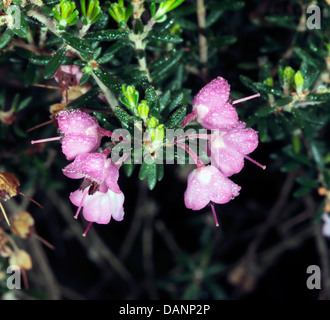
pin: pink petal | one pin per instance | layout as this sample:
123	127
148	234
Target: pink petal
214	94
208	184
222	117
195	196
76	197
73	170
228	161
117	202
75	121
112	176
75	144
97	208
243	140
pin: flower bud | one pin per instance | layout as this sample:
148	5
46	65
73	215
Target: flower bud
143	110
152	123
299	81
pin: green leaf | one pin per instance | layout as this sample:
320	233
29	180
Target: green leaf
304	55
144	169
264	112
84	78
112	83
176	101
160	171
128	169
76	43
152	101
223	41
123	116
267	89
319	97
176	118
165	37
226	5
301	192
282	102
84	100
152	175
55	62
6	37
30	74
106	35
23	104
287	21
307	182
319	212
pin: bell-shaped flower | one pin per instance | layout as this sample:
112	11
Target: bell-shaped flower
100	206
212	108
207	184
80	133
229	147
96	168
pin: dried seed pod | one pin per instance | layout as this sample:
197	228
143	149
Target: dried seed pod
5	251
9	185
21	224
21	259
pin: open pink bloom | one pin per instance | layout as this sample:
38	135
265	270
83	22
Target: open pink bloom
100	206
229	147
326	225
207	184
81	133
212	108
96	168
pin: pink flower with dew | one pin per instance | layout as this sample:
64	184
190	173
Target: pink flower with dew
326	225
211	107
228	148
68	73
96	168
100	206
207	184
80	133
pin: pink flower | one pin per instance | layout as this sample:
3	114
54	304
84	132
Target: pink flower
69	73
229	147
212	108
80	133
207	184
326	225
96	168
100	206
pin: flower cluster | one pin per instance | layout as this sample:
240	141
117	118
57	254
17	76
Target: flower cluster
229	143
99	194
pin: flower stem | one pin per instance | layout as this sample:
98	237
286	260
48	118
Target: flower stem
255	162
193	155
87	229
203	47
214	215
246	98
191	116
45	140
